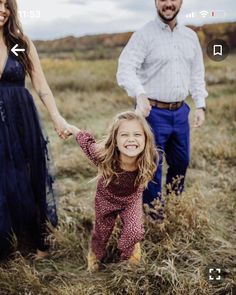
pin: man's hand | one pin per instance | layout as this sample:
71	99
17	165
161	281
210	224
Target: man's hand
199	118
143	105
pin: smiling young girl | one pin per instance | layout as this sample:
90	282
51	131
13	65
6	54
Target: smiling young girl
126	160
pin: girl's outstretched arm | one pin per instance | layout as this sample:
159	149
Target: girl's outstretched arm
86	142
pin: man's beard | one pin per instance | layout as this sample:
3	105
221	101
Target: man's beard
166	20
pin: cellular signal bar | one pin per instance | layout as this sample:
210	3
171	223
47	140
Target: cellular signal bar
190	15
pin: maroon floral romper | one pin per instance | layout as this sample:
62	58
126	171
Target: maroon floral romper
120	197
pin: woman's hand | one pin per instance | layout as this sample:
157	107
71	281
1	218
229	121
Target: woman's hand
61	127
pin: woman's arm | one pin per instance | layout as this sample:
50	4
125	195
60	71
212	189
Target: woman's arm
41	87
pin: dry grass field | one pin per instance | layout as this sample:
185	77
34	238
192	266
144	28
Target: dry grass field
199	231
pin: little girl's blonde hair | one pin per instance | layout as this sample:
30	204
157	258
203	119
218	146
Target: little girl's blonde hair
108	154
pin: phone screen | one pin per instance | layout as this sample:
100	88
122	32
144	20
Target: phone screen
78	46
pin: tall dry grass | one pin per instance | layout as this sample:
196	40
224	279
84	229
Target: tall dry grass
199	229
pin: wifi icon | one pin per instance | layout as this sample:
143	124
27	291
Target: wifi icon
203	13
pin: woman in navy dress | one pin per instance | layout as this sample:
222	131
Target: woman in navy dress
27	201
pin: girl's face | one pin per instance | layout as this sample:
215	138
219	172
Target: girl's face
130	139
4	13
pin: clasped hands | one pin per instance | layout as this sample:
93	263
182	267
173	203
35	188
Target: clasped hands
64	129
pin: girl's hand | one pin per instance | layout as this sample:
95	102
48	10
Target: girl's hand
61	127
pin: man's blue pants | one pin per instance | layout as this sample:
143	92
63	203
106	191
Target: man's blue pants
171	131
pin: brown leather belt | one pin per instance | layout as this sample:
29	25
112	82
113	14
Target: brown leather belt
165	105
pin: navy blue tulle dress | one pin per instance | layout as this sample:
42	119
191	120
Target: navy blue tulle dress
27	198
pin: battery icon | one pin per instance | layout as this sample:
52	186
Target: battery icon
218	13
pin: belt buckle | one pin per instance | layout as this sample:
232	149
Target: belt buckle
170	106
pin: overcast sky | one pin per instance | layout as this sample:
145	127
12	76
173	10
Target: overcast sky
50	19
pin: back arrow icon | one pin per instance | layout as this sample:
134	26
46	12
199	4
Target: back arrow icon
15	49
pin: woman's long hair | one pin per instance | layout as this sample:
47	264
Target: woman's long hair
13	34
108	154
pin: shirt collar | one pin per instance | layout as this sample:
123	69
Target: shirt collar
163	25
